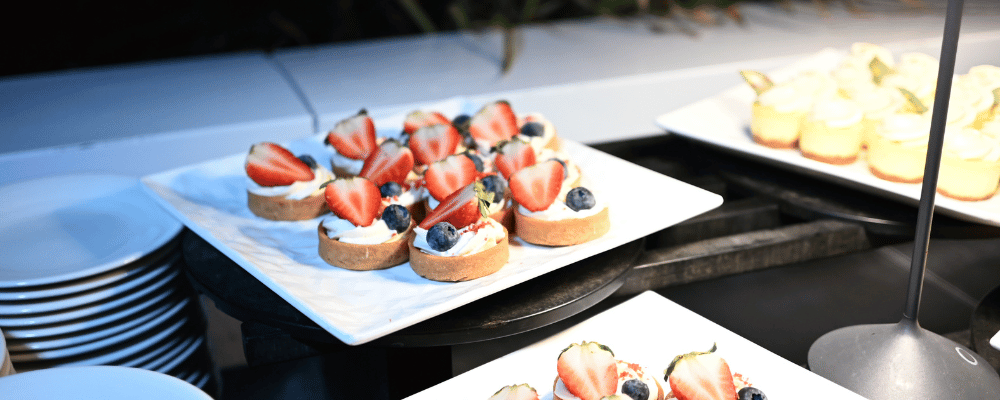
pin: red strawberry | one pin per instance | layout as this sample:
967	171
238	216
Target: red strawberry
269	164
461	209
494	122
701	376
537	186
512	156
390	162
434	142
419	119
354	137
515	392
355	199
588	370
448	175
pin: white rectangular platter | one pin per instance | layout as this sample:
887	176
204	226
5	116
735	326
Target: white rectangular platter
357	307
724	121
648	330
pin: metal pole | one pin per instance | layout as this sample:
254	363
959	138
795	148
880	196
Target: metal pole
949	47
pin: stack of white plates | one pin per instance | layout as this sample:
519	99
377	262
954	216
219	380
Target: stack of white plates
91	274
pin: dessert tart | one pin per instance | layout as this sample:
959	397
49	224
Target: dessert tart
539	132
876	104
589	371
491	124
458	241
706	376
390	167
351	141
777	116
832	131
544	219
360	235
899	148
970	165
281	187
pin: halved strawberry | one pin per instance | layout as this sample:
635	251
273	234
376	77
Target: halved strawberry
537	186
494	122
353	137
390	162
419	119
434	142
269	164
355	199
588	370
448	175
460	209
515	392
512	156
701	376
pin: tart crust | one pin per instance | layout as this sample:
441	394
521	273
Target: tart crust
365	257
564	232
455	269
278	208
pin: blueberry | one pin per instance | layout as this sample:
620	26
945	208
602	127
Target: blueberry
475	160
635	389
750	393
396	217
565	167
533	129
390	189
579	198
462	122
404	139
493	184
309	161
442	236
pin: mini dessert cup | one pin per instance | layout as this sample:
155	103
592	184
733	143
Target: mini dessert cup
365	257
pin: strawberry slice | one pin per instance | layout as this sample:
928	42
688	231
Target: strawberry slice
419	119
353	137
588	370
269	164
494	122
537	186
434	142
390	162
355	199
512	156
515	392
448	175
701	376
460	209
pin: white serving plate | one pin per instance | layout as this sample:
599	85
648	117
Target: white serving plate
357	307
724	121
648	330
97	382
97	222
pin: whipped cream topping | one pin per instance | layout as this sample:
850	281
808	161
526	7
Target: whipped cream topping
854	79
626	372
815	84
908	128
968	144
350	165
408	197
344	231
836	112
538	142
880	102
977	97
296	191
472	239
559	211
785	98
922	88
959	114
